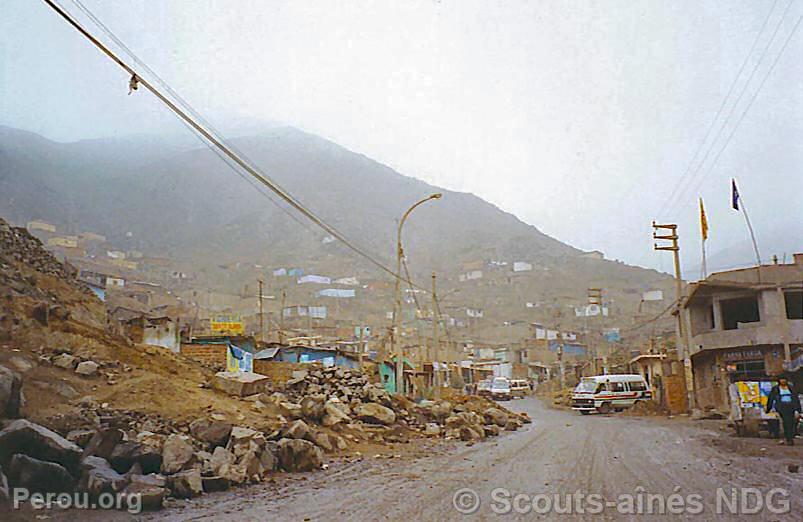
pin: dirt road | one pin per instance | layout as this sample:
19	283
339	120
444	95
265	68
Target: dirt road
561	453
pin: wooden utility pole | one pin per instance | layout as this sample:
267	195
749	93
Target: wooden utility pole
362	337
671	235
595	298
261	320
281	317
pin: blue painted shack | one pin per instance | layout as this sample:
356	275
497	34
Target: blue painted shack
309	354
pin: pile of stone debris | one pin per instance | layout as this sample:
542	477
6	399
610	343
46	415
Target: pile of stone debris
18	245
321	411
118	453
335	396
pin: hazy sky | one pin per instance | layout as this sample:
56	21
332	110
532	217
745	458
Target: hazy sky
578	117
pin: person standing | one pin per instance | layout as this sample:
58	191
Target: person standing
784	400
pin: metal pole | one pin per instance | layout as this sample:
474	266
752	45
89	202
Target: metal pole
436	347
397	299
261	325
281	318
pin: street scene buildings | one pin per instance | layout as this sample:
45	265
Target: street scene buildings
400	260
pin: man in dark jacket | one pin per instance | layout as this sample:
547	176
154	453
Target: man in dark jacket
783	399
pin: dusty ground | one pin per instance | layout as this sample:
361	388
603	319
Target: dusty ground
560	453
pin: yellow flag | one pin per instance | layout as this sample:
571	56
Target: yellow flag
703	221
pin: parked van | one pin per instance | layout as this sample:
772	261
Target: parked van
519	388
605	393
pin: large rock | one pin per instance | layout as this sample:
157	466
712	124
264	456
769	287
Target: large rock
299	455
214	433
97	477
38	475
323	441
27	438
234	473
375	413
103	442
88	369
240	384
268	458
297	430
291	410
65	361
186	484
471	433
177	454
148	490
496	416
334	414
126	454
242	440
252	465
215	483
312	407
10	393
465	418
220	457
441	410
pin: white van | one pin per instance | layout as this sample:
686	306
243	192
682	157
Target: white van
519	388
604	393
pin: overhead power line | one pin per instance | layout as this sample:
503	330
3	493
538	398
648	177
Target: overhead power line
735	105
218	142
677	191
749	105
187	107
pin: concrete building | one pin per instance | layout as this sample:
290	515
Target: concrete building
743	325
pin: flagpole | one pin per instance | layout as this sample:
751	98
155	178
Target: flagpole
703	268
743	208
703	237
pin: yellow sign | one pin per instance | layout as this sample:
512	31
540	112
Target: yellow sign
227	325
750	393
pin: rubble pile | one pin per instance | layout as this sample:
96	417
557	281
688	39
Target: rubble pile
18	245
335	397
107	450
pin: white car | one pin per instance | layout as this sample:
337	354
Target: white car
500	389
604	393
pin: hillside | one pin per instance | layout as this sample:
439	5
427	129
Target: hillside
170	201
205	202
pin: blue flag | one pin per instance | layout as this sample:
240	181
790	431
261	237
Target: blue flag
734	195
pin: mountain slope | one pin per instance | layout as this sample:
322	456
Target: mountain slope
187	204
201	199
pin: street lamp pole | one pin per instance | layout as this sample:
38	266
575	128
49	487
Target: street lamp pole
397	301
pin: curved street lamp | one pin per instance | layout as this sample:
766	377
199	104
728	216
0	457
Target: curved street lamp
397	301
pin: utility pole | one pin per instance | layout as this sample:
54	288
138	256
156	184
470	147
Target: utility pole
281	317
436	347
362	347
261	323
595	298
671	235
